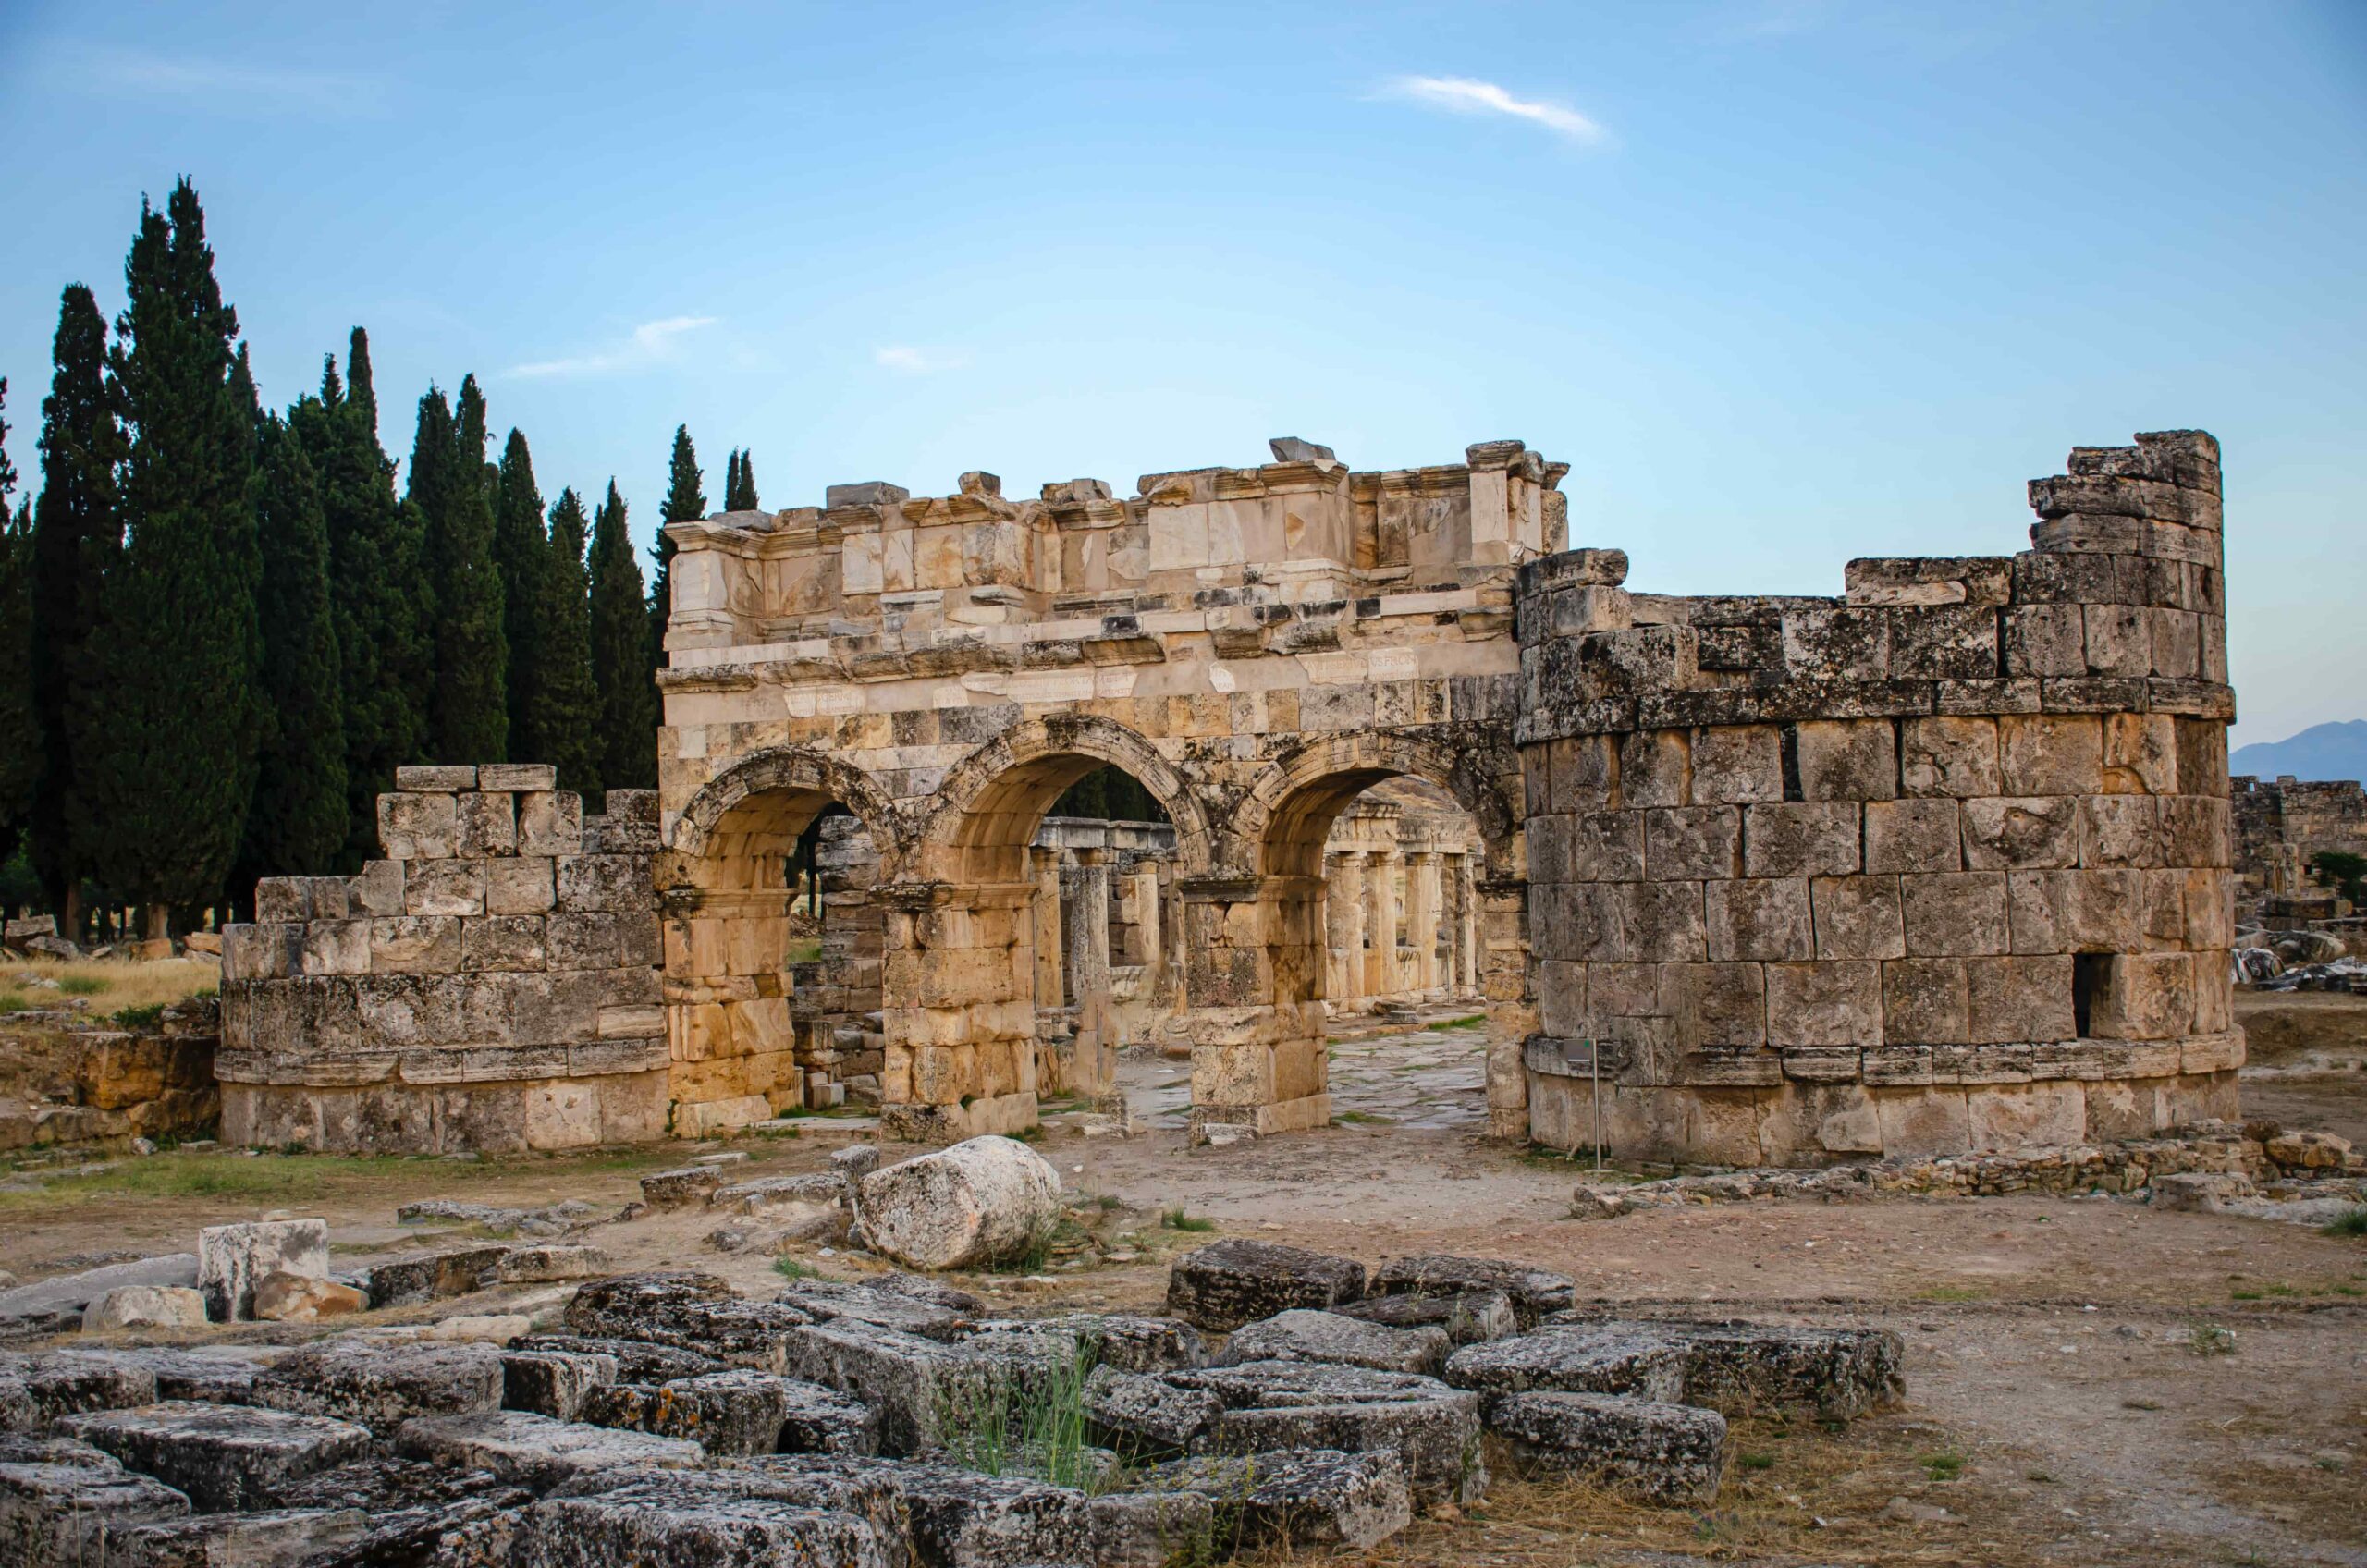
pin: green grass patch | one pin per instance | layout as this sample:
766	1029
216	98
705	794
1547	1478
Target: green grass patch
1025	1421
1363	1119
1945	1464
1952	1292
2349	1223
1176	1219
84	985
1757	1462
797	1268
15	1002
1476	1021
282	1178
147	1017
2210	1338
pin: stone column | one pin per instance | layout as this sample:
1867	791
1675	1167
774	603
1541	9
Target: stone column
1422	918
1343	898
1093	1070
1467	937
1380	922
958	1008
1147	913
1046	914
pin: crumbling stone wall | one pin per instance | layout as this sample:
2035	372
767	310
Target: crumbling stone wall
491	984
2280	825
66	1080
1941	865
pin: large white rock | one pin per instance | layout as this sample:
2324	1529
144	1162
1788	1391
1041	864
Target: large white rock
985	1200
233	1259
146	1306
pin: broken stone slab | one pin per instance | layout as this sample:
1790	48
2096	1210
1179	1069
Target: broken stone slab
1128	1343
1151	1529
224	1457
740	1412
146	1306
695	1311
71	1294
1272	1405
406	1282
824	1300
1739	1368
552	1383
1534	1292
413	1508
1145	1417
1291	449
36	1390
64	1515
232	1259
2198	1192
686	1188
536	1451
1469	1317
24	1448
145	1374
637	1361
1292	1500
281	1297
279	1538
546	1264
620	1306
1597	1360
1235	1281
774	1198
687	1519
920	1287
911	1382
1302	1335
383	1386
855	1162
1664	1455
951	1516
983	1201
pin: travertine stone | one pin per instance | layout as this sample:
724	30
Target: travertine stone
489	825
520	885
1912	836
1813	838
1849	760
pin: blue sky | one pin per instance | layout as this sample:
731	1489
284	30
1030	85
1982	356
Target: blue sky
1786	281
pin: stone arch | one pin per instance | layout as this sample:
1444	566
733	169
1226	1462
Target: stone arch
1293	801
990	800
797	770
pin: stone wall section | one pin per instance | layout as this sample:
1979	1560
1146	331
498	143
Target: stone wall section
2280	825
1942	865
490	985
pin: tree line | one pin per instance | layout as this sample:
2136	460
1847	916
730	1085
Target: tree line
222	629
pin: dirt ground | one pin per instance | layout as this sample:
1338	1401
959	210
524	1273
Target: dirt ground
2090	1381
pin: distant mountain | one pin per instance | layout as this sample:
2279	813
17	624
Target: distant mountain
2322	750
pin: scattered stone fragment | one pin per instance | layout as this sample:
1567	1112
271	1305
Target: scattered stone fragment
982	1202
552	1383
740	1412
382	1387
543	1265
690	1519
535	1451
824	1300
282	1297
283	1537
813	1208
855	1162
1293	1500
1235	1281
920	1287
62	1299
1135	1529
406	1282
1145	1417
492	1327
1598	1360
1119	1340
146	1306
1273	1405
232	1259
637	1360
1301	1335
1533	1291
1469	1317
2198	1192
685	1188
951	1517
63	1515
1740	1367
2301	1150
224	1457
1665	1455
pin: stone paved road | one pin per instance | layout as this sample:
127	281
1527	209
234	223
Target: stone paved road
1433	1077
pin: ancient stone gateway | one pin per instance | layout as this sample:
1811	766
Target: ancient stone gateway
1939	863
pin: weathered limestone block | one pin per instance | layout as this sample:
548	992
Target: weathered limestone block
979	1202
232	1259
740	1412
553	1383
550	824
1605	1360
687	1519
542	1265
1913	836
1759	920
911	1382
1301	1335
948	1514
603	882
1145	1417
1858	917
1295	1500
684	1188
1824	1004
1119	1340
516	777
416	945
1663	1455
1283	1404
825	1300
431	777
509	943
521	884
1469	1316
282	1297
1802	838
278	1537
1847	760
489	825
382	1387
1533	1291
445	887
2014	833
1955	914
66	1516
637	1361
1738	765
223	1457
535	1451
417	827
455	1271
2013	999
1232	1282
146	1306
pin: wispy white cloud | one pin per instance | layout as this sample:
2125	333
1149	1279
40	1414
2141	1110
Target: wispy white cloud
232	88
1468	95
650	343
907	360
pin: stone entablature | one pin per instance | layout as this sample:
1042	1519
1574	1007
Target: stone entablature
491	984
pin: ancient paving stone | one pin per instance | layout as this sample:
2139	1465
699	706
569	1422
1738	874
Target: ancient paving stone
1533	1291
1471	1317
689	1519
64	1515
1285	1405
825	1300
1663	1455
383	1386
691	1185
535	1451
281	1538
638	1360
231	1259
1145	1416
552	1383
224	1458
1236	1282
1126	1342
1576	1359
1302	1335
740	1412
1739	1368
1292	1500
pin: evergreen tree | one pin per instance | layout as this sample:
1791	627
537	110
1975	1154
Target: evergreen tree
467	711
19	726
566	718
740	495
523	556
167	795
77	536
731	477
298	822
376	588
627	738
685	502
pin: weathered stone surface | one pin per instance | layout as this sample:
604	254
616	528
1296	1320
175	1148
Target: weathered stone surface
282	1297
1134	1529
552	1383
1664	1455
693	1311
1128	1343
232	1259
691	1185
36	1390
623	1305
279	1538
146	1306
949	1515
382	1387
909	1381
981	1202
740	1412
1598	1359
638	1360
414	1507
1302	1335
536	1451
68	1296
1293	1499
688	1520
1235	1281
1739	1367
1533	1291
1286	1404
224	1458
543	1265
1472	1317
64	1515
824	1300
1144	1417
431	1276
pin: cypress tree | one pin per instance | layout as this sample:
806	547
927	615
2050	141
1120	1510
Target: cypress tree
19	726
740	487
468	709
685	502
376	590
298	822
522	555
567	704
77	536
731	477
166	800
627	737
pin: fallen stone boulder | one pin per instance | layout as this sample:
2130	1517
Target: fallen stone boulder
49	1306
1119	1340
1234	1281
693	1311
982	1202
2198	1192
740	1412
1534	1292
2301	1150
535	1451
407	1281
232	1259
815	1207
1468	1317
949	1515
383	1386
637	1361
920	1287
64	1515
1664	1455
552	1383
1145	1417
224	1457
281	1297
1291	1499
1741	1367
546	1265
911	1382
413	1506
279	1538
688	1519
146	1306
1275	1405
686	1188
1596	1360
1301	1335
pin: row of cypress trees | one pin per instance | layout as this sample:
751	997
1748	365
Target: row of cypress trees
222	629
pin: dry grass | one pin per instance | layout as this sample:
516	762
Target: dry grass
277	1180
108	985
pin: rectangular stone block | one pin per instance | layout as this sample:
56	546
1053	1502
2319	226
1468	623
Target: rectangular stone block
489	825
1824	1004
508	942
1692	842
1727	1003
590	883
1951	757
336	947
2124	830
581	941
550	824
1840	645
2027	1116
444	887
1912	836
1665	921
1925	999
2074	911
415	827
233	1259
2017	999
2141	753
261	952
1605	846
1847	759
2146	996
425	776
1626	990
1802	838
2051	753
1944	643
1583	773
1655	769
2119	639
377	892
516	777
416	945
2020	832
520	884
2196	831
1737	764
2046	640
1856	917
1759	920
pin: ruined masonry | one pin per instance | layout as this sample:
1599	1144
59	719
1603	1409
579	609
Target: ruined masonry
1940	865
